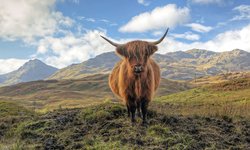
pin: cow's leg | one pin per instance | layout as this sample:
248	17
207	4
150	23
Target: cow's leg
138	106
132	108
128	110
144	108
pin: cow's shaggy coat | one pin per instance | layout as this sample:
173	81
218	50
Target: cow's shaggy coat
136	77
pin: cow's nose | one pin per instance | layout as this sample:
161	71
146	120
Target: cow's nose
138	69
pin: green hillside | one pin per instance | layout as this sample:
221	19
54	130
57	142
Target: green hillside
230	98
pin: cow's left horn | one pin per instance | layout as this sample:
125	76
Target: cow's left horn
159	41
111	42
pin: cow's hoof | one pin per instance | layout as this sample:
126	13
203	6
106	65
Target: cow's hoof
133	122
139	115
144	123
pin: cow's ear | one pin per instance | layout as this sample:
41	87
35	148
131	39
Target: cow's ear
152	49
121	51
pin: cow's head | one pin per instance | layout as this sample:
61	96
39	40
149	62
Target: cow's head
136	53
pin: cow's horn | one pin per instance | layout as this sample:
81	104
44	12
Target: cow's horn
159	41
111	42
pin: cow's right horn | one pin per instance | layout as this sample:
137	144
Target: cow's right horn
111	42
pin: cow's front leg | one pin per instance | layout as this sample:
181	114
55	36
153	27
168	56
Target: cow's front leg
144	108
132	108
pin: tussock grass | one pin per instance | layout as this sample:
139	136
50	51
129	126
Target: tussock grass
106	126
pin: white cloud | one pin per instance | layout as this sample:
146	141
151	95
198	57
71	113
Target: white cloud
143	2
28	19
188	36
8	65
160	17
244	11
104	20
80	17
199	27
157	33
90	19
222	42
61	52
207	1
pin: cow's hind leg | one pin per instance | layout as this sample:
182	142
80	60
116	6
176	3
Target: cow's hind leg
144	108
138	106
128	109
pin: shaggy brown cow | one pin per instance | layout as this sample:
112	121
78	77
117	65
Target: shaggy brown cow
136	77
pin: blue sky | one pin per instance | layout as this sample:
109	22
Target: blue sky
62	32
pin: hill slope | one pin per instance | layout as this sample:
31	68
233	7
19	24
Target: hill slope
51	94
231	98
220	78
30	71
181	65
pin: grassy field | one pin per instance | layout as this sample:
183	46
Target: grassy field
230	98
106	126
209	116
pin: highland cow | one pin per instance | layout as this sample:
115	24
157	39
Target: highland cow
136	77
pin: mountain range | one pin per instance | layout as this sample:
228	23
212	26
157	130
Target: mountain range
180	65
30	71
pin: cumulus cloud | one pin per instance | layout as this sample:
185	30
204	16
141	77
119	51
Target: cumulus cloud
157	33
225	41
61	52
187	35
28	19
143	2
160	17
244	11
8	65
199	27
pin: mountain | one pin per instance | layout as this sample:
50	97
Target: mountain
101	64
180	65
30	71
200	53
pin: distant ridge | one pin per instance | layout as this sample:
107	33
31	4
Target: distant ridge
180	65
30	71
